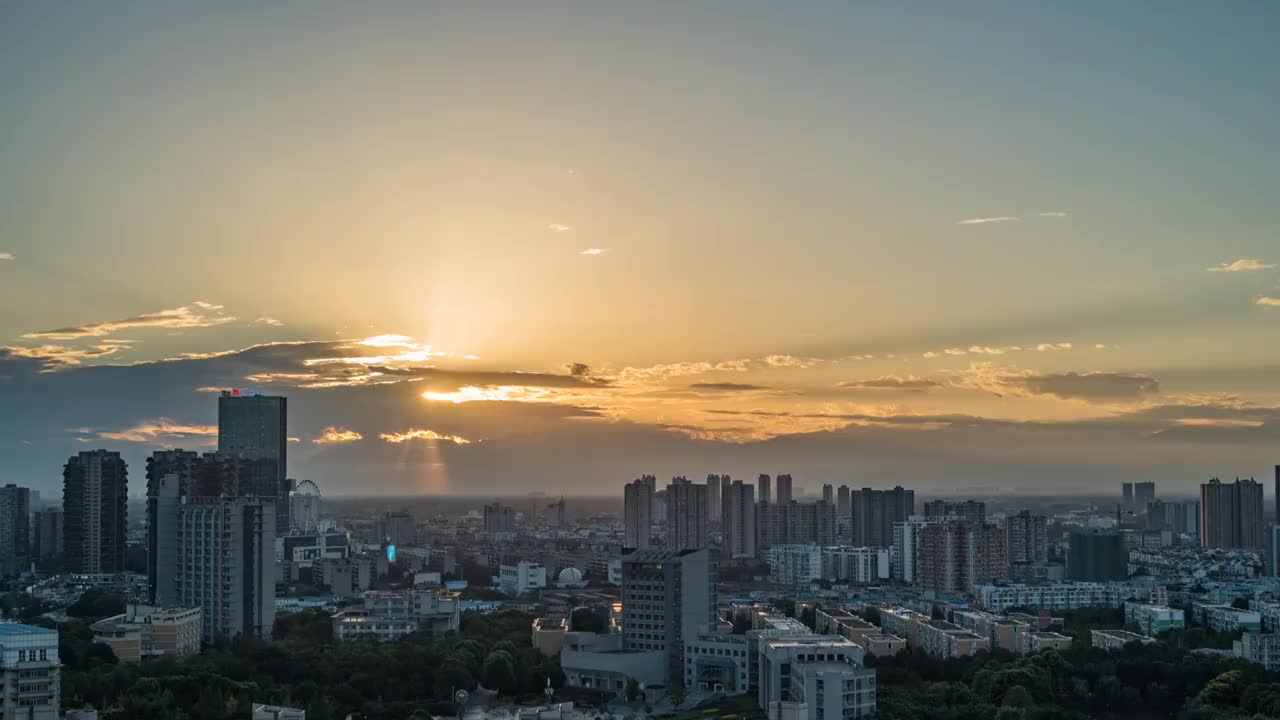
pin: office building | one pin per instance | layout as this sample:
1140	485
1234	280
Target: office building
1144	493
1097	557
217	554
1028	538
95	489
499	518
784	489
15	530
715	483
738	521
637	507
834	690
384	615
255	427
842	501
955	556
686	515
46	539
1126	494
30	684
829	493
300	556
764	487
143	632
967	510
874	512
668	597
804	675
1231	515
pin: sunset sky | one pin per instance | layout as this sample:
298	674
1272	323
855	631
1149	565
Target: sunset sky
509	247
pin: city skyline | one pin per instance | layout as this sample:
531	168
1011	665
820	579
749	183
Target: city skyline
1004	249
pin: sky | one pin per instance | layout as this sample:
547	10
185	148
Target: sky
503	247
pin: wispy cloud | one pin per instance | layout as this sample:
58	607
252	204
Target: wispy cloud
264	320
892	382
1093	387
54	357
594	251
1268	301
557	227
196	315
6	256
431	435
334	434
162	430
1242	265
1054	213
791	361
985	220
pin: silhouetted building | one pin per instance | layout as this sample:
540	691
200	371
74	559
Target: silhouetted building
1181	517
1143	494
714	484
828	493
686	515
764	488
255	426
396	528
967	510
637	508
875	511
46	538
1097	557
956	556
1126	491
15	530
499	518
1231	515
738	520
95	488
784	489
795	524
842	501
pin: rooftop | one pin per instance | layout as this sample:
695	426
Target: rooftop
18	630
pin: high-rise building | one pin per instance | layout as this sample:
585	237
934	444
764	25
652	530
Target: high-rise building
15	530
967	510
667	597
397	528
499	518
686	515
637	509
1276	490
764	486
875	511
906	544
842	501
1097	557
828	493
795	523
255	426
714	484
1143	494
46	539
1126	491
1028	538
95	488
1182	517
1231	515
784	489
30	682
738	520
217	554
955	556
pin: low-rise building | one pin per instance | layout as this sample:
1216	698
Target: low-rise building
1260	648
600	662
143	631
1269	611
1153	619
882	645
718	663
838	621
1062	596
390	615
834	690
942	639
855	565
902	622
1115	639
29	672
1036	641
548	634
1221	617
780	673
277	712
522	577
360	625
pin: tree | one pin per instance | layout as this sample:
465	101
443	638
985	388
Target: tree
678	692
95	604
633	690
499	672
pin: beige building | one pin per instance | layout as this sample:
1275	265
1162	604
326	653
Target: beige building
882	645
942	639
143	631
1034	642
548	634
